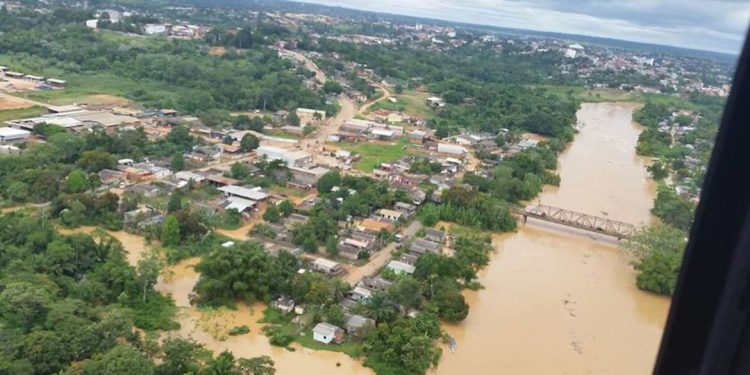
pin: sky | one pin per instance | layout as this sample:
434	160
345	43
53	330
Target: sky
712	25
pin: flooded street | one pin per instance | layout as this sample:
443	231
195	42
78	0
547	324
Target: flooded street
558	301
210	328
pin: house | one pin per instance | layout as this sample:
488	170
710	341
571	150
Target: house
358	325
417	136
450	149
409	258
284	304
434	235
307	177
190	176
327	267
376	283
348	251
57	83
291	158
239	204
406	209
327	333
401	267
253	194
383	134
153	29
12	135
421	246
389	214
360	293
140	219
111	177
146	190
374	226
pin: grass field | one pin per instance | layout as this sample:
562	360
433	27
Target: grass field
412	103
376	153
12	114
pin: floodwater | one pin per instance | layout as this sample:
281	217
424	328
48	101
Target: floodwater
134	245
561	301
210	328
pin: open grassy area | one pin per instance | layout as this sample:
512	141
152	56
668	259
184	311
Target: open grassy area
82	86
12	114
376	153
412	103
280	134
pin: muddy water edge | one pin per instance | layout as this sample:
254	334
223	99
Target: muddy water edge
560	301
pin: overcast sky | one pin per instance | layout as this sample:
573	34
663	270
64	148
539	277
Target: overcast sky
714	25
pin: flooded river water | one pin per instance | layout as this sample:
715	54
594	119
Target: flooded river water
559	301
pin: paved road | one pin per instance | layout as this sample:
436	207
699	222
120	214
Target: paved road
379	259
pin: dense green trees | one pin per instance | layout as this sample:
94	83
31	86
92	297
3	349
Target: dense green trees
72	299
470	208
673	209
242	272
659	250
173	74
405	346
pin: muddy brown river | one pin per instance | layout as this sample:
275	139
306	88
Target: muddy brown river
560	301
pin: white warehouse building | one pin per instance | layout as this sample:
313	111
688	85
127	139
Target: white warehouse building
292	158
13	135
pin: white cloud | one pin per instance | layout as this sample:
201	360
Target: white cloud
716	25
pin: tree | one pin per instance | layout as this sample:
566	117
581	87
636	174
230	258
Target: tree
77	182
249	142
95	160
18	191
175	202
240	171
332	87
227	140
46	352
148	270
24	305
262	365
293	119
182	357
406	292
170	231
286	208
121	360
242	272
332	246
658	171
659	250
181	138
272	215
328	181
178	162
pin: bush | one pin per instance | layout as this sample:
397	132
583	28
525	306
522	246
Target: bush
281	339
239	330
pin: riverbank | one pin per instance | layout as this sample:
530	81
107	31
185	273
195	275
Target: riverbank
561	301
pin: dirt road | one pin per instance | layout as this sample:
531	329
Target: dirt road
378	260
386	94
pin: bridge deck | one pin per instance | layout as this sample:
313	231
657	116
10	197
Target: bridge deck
578	220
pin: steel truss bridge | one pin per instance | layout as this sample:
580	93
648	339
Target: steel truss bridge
578	220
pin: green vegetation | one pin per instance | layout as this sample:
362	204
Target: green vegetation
375	153
12	114
412	103
659	249
239	330
158	73
243	272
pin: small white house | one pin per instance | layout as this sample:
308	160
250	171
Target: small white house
327	333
